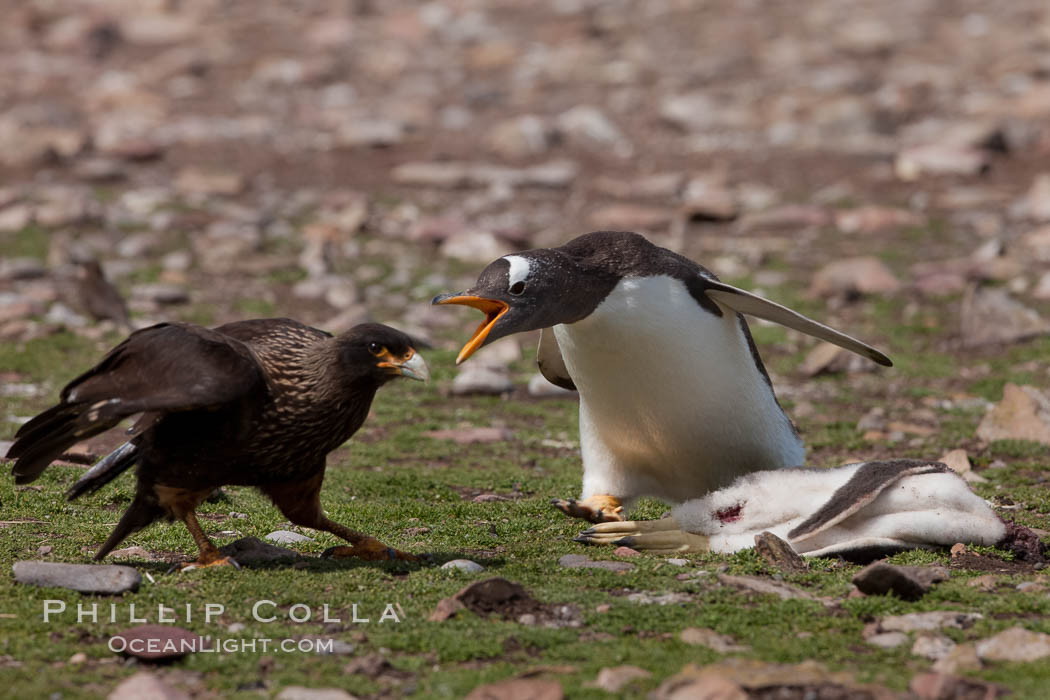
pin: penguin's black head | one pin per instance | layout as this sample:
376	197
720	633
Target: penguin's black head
524	292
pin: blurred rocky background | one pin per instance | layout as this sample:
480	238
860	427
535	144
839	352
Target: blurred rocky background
211	160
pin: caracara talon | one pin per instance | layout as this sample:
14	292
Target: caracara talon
203	564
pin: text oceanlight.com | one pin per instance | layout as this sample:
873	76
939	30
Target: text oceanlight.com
261	611
259	645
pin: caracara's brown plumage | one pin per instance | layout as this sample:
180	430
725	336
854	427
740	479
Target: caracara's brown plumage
257	403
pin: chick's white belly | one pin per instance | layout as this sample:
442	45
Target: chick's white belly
671	402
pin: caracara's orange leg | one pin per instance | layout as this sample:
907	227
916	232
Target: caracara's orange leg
600	508
182	503
301	503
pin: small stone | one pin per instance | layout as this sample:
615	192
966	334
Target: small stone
626	552
135	552
853	277
1037	201
940	159
778	553
464	565
1023	414
252	550
161	293
518	689
990	315
986	583
370	133
874	419
582	561
959	462
927	621
298	692
15	218
707	199
932	646
21	269
156	642
940	686
335	647
478	379
145	685
961	657
887	640
876	219
471	436
521	137
446	608
78	658
474	246
109	579
672	598
755	584
631	217
789	216
287	537
612	680
1014	644
701	636
907	582
209	182
444	175
677	562
587	126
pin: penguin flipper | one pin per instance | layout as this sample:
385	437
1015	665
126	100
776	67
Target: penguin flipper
551	363
753	305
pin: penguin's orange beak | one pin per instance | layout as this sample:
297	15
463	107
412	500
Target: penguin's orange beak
493	310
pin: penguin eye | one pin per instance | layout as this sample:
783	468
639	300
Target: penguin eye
376	349
517	288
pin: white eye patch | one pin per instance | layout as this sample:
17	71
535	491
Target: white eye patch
519	269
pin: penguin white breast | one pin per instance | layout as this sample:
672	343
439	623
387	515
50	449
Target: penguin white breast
671	390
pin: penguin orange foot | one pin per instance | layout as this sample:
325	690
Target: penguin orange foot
600	508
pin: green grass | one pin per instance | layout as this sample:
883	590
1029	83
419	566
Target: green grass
393	479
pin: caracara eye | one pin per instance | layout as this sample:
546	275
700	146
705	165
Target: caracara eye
376	349
517	288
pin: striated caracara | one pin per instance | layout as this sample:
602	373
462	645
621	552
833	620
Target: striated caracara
255	403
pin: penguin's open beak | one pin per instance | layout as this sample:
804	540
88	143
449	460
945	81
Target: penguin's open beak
493	310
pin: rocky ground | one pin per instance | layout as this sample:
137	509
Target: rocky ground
883	167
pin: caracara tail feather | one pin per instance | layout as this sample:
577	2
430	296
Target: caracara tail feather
140	514
106	470
43	439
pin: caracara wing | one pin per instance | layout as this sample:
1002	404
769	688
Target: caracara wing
165	368
169	367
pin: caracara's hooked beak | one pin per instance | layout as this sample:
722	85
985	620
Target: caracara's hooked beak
493	310
410	365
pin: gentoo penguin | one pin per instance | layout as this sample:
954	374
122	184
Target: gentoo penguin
674	399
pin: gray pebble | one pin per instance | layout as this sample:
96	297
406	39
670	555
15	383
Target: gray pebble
86	578
465	565
287	537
